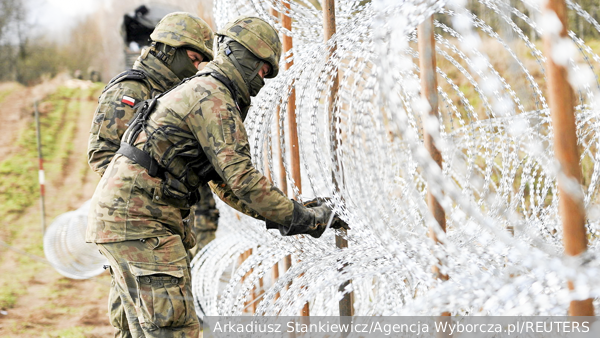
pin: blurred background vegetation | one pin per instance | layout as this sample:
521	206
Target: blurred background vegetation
28	58
31	51
28	55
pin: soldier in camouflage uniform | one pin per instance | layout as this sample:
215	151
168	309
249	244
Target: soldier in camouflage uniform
181	41
161	66
190	135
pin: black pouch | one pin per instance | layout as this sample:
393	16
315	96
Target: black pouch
178	193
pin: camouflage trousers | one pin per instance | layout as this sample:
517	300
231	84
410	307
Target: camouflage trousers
151	295
206	219
205	228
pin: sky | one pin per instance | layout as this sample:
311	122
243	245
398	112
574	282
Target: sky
57	16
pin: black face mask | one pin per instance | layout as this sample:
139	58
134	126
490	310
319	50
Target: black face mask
176	59
181	65
247	64
255	85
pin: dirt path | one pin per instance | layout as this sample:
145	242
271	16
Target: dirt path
13	115
48	304
16	109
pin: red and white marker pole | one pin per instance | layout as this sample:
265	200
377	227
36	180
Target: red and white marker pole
41	176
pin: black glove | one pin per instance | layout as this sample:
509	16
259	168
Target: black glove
337	222
311	219
318	201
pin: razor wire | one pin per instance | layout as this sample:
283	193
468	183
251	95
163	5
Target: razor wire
503	248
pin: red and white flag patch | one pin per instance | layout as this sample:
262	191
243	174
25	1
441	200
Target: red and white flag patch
130	101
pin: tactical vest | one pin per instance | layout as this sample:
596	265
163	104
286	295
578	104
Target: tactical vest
130	74
180	189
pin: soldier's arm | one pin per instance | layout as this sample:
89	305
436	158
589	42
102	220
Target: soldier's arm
218	126
226	195
115	109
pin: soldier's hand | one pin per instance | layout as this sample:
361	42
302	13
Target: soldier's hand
318	203
315	202
312	219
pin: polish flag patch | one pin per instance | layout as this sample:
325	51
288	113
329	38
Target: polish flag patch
130	101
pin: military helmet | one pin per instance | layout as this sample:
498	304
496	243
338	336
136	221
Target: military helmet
181	29
258	37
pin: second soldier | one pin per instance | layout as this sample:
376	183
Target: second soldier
180	42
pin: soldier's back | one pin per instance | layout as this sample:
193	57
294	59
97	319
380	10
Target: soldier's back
115	110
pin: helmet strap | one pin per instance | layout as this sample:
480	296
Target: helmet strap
258	68
236	64
239	67
167	57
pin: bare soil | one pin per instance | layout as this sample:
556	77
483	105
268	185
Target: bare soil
50	305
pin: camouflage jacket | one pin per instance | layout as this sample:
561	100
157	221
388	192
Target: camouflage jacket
196	120
115	108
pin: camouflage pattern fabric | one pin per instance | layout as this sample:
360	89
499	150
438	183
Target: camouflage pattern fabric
180	29
224	192
128	204
116	311
152	281
197	118
206	220
112	114
258	37
110	122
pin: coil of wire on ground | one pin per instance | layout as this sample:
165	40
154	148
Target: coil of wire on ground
65	247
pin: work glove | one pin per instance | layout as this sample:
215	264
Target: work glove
310	219
337	222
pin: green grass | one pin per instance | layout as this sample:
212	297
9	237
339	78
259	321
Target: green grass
7	89
72	332
13	284
19	187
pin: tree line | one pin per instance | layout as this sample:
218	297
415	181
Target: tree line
26	59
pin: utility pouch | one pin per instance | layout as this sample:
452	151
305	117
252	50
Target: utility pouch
177	193
163	300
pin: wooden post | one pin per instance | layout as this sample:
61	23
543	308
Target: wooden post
41	175
561	101
274	13
275	277
345	305
250	305
286	22
427	64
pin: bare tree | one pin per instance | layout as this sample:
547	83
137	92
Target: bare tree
11	11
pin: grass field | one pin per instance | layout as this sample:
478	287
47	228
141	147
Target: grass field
39	302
